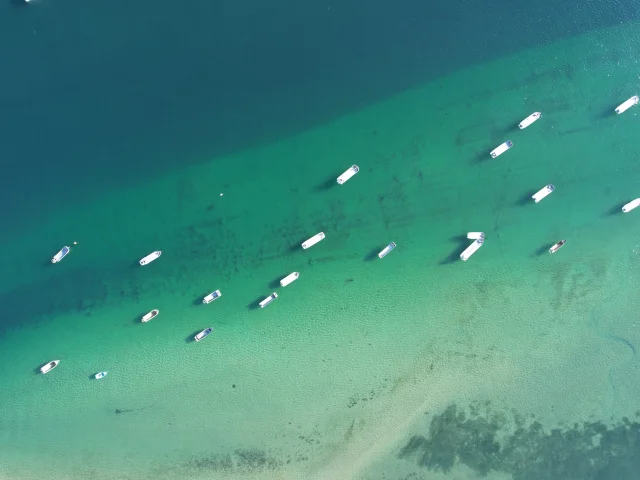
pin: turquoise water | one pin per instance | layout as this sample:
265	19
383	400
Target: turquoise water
515	364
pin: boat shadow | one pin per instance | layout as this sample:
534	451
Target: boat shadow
373	254
454	256
256	303
526	198
615	210
480	157
328	184
275	283
542	250
36	371
191	338
297	246
608	113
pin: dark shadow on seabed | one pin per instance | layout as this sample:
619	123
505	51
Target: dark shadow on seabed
526	198
463	243
256	303
542	250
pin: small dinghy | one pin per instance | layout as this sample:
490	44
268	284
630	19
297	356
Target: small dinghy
543	192
64	251
268	300
529	120
49	366
289	279
386	250
313	240
623	107
499	150
631	205
557	246
203	334
100	375
150	316
151	257
348	174
475	235
212	296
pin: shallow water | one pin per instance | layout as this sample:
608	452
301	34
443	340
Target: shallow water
361	367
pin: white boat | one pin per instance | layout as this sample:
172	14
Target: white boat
151	257
212	296
631	205
348	174
500	149
268	300
203	334
313	240
475	235
557	246
387	249
150	316
100	375
543	192
292	277
49	366
64	251
471	249
529	120
623	107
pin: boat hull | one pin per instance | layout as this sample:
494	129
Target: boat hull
471	249
49	366
289	279
529	120
385	251
100	375
500	149
150	316
557	246
313	240
151	257
631	205
268	300
475	235
623	107
350	172
64	251
212	296
203	334
543	192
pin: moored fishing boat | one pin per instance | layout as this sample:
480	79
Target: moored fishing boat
471	249
631	205
529	120
150	316
313	240
100	375
557	246
500	149
350	172
268	300
475	235
292	277
543	192
49	366
151	257
386	250
64	251
623	107
212	296
203	334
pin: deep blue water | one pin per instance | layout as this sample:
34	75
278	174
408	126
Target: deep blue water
96	95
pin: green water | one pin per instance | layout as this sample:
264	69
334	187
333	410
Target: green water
332	379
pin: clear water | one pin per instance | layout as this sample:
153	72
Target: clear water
516	364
